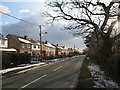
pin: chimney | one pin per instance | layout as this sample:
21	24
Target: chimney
26	37
46	42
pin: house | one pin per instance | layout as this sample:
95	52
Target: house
58	50
65	50
21	44
49	49
43	47
3	42
35	48
70	50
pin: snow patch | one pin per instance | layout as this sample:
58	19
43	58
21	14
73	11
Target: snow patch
49	45
23	40
100	80
18	68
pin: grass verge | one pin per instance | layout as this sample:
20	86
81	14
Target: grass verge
85	80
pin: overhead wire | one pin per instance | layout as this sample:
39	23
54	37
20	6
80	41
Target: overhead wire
18	18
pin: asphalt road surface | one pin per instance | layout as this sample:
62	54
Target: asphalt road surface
61	74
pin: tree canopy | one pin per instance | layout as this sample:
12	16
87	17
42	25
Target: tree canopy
85	15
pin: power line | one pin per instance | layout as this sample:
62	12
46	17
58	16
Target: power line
18	26
17	18
14	24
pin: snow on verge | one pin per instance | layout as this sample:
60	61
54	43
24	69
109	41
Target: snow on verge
18	68
99	78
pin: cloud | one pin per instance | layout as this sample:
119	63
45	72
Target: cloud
24	11
55	34
4	9
6	23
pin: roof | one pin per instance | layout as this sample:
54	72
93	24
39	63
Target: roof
23	40
60	47
32	41
2	37
49	45
9	50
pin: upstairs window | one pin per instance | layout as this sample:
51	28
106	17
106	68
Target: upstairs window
28	45
34	46
2	42
23	45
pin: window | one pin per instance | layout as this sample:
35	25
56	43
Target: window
2	42
34	46
28	45
23	45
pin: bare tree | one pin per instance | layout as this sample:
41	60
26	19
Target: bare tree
87	16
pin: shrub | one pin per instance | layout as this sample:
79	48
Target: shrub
21	58
13	59
7	60
49	57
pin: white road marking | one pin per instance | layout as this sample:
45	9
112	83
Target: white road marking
57	68
32	82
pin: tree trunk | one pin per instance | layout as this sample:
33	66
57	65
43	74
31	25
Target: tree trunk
106	49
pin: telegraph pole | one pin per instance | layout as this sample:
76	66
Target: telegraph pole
40	42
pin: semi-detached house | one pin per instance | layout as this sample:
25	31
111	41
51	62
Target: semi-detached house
49	49
22	44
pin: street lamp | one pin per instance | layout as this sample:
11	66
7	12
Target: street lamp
41	41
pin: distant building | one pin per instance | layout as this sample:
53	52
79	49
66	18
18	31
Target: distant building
58	50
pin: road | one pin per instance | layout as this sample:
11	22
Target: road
61	74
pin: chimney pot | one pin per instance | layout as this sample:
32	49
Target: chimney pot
26	37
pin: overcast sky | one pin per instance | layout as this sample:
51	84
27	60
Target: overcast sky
32	12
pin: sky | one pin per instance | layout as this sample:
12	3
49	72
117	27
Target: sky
33	12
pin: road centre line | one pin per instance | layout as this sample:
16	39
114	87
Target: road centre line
57	68
32	82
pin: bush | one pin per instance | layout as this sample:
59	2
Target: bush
21	58
49	57
7	60
13	59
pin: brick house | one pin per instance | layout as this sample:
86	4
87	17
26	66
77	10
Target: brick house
21	44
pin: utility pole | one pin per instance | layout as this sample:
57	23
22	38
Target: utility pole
40	42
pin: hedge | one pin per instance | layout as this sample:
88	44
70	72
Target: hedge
7	60
14	59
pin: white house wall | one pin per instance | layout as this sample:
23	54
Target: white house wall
36	47
5	45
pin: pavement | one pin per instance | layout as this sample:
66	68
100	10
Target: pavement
61	74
